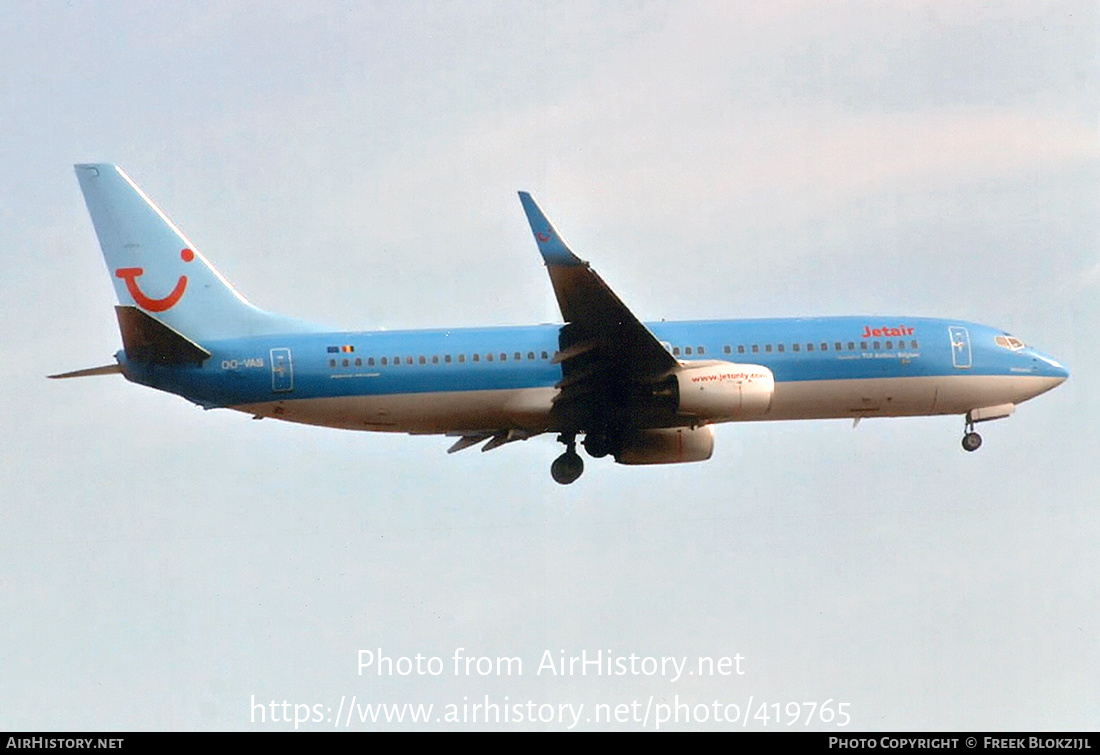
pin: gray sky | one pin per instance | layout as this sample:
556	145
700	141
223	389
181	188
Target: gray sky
357	163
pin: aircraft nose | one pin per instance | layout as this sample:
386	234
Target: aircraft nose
1051	368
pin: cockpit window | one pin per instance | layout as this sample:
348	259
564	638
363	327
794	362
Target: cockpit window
1009	342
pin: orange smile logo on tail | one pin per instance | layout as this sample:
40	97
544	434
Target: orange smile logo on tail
130	275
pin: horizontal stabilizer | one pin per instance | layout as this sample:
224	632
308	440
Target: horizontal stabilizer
107	369
148	340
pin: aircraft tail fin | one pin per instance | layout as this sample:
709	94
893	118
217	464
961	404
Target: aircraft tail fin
156	270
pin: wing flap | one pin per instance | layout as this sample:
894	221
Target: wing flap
496	439
575	350
468	440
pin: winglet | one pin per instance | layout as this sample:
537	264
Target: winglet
551	247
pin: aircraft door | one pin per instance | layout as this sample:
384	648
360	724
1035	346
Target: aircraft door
282	371
960	347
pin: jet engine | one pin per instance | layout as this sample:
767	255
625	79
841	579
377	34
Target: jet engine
674	445
719	391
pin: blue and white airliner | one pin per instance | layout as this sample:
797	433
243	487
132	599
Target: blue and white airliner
643	393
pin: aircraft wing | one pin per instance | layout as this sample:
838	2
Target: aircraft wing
604	349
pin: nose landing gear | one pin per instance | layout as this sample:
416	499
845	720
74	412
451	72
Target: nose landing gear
971	440
569	466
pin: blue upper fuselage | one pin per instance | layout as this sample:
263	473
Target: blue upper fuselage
316	365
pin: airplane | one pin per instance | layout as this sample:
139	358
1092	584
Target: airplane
642	393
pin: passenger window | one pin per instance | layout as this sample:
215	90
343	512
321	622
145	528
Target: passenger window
687	351
545	355
503	357
370	361
838	346
408	360
863	345
740	349
517	356
384	363
851	345
676	351
809	347
700	350
889	344
768	348
488	357
780	348
796	347
358	361
462	359
422	360
913	345
476	357
824	347
332	363
876	345
446	359
755	349
727	349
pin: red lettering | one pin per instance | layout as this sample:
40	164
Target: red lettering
901	330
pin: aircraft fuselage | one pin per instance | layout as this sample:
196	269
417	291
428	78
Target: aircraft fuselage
471	379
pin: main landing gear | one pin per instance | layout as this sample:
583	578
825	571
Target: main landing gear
569	466
971	440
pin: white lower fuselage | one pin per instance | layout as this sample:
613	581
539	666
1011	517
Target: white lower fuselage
529	408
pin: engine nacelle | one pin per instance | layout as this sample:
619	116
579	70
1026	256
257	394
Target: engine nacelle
719	391
674	445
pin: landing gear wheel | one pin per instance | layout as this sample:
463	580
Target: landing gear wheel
597	445
567	467
972	441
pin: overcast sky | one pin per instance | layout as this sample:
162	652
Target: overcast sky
357	163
